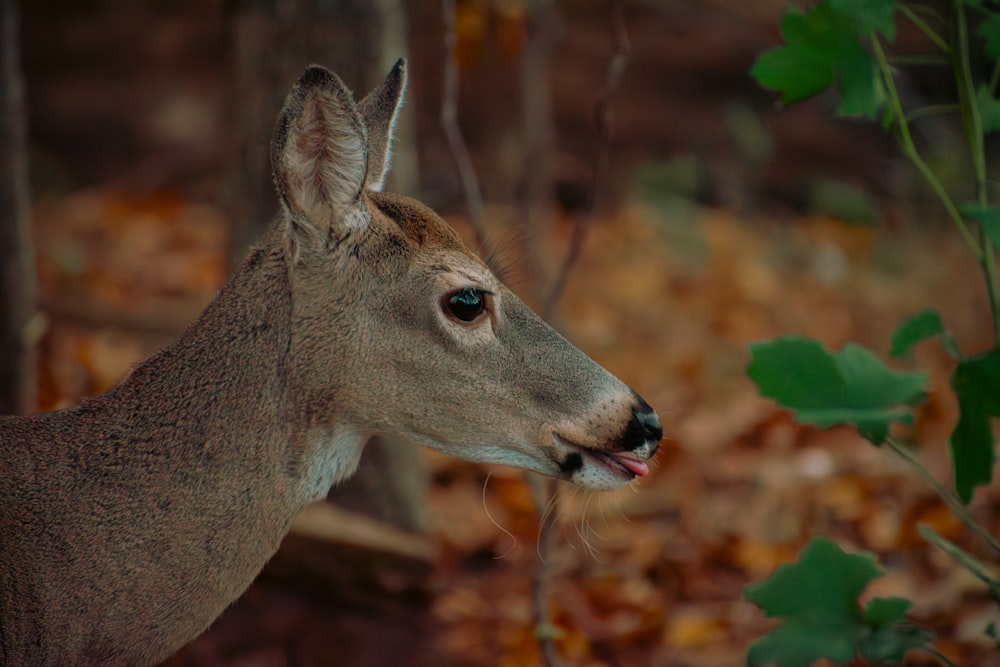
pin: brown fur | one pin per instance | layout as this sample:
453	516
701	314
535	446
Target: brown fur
128	523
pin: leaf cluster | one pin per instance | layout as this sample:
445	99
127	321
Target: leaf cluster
854	387
841	45
823	48
828	45
817	597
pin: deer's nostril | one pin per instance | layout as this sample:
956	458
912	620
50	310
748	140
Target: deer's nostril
643	427
651	424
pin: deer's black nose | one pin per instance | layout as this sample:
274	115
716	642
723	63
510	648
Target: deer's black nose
643	428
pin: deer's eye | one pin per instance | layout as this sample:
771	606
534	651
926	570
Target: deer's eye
466	304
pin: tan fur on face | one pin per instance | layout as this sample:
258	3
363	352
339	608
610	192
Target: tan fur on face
419	222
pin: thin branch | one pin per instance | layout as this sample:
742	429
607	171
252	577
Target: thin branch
449	123
939	656
975	139
963	558
930	60
542	492
924	27
909	149
950	499
602	150
532	210
967	92
542	488
931	110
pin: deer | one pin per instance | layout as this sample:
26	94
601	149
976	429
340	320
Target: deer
130	522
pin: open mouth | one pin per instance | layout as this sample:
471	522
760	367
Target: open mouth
630	466
619	463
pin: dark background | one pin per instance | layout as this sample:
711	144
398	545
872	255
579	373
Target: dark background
721	219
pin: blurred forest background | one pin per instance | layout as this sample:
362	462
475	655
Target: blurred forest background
708	217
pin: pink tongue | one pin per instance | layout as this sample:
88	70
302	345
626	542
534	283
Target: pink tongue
638	467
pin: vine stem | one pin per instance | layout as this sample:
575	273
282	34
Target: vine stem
923	27
962	557
950	499
453	134
966	91
939	656
909	149
975	138
930	110
919	60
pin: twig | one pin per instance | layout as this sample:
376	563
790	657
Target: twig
963	558
939	656
924	27
602	151
542	489
975	138
449	123
533	201
956	505
909	148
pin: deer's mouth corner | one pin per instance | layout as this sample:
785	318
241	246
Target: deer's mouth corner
622	467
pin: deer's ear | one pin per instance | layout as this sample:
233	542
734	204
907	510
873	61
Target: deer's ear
318	159
379	110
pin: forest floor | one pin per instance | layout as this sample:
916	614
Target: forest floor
653	575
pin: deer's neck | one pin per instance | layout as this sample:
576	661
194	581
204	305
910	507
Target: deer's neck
224	399
216	398
184	479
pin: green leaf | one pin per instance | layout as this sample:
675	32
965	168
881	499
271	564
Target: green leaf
821	47
987	217
925	324
850	387
798	644
861	89
989	109
989	32
871	15
824	583
976	382
892	635
889	645
818	598
883	611
801	68
795	73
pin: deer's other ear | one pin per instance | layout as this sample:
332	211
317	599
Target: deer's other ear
379	110
318	159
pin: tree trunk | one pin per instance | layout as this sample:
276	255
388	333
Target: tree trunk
272	43
17	257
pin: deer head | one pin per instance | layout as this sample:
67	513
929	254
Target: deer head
398	328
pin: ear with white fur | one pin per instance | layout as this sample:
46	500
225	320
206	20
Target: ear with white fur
379	111
319	161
